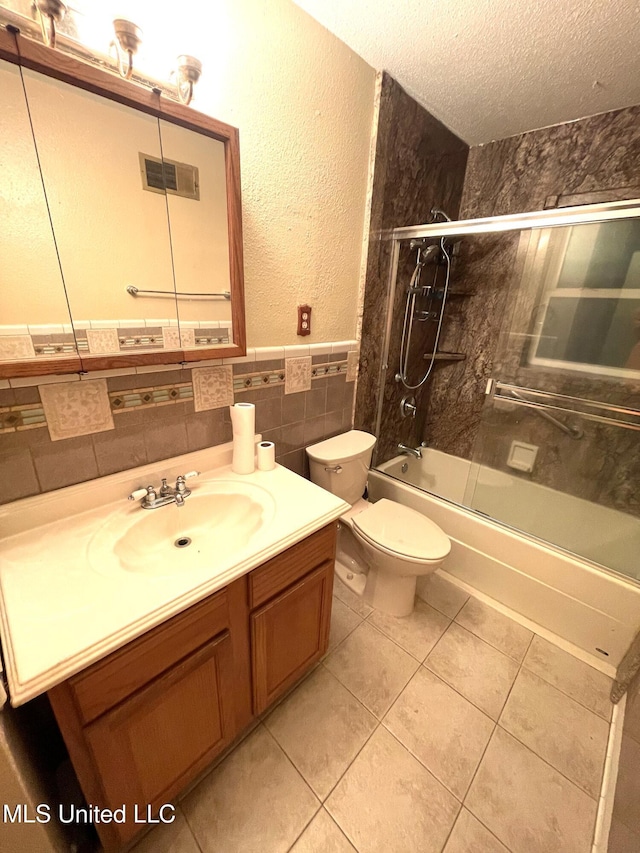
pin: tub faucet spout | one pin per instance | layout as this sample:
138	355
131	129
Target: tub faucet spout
416	452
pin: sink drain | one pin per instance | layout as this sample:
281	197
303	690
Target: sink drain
182	542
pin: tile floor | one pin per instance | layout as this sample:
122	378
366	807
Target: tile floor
455	730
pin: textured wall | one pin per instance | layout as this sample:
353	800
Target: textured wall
303	102
419	164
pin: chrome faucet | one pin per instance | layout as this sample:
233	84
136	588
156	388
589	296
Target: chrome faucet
416	452
152	498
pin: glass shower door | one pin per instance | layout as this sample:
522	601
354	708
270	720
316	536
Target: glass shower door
557	453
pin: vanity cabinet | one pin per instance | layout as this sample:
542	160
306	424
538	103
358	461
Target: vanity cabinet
147	719
291	615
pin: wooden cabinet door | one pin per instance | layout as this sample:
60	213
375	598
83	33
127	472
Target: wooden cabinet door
289	634
150	746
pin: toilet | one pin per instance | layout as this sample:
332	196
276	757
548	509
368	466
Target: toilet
384	547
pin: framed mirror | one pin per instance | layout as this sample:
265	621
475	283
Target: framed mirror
143	199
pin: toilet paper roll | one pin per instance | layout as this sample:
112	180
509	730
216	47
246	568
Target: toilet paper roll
266	456
243	418
243	421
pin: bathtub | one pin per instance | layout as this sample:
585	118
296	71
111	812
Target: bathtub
580	602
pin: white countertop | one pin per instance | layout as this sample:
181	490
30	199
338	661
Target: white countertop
58	614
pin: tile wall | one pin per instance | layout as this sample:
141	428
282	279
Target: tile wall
59	430
419	164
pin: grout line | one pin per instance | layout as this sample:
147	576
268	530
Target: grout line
570	648
192	833
307	824
564	692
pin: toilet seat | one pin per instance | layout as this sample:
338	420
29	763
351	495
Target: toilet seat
400	531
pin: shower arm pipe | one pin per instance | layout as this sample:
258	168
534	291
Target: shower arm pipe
573	432
582	214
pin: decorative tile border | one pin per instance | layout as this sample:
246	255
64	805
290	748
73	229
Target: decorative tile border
101	338
149	398
251	381
343	355
18	418
333	368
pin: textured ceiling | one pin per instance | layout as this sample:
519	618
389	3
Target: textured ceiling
493	68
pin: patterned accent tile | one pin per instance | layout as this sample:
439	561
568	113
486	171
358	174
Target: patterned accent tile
297	375
353	359
170	337
212	387
76	408
188	339
102	341
14	347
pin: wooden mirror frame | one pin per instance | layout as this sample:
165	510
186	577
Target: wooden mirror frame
37	57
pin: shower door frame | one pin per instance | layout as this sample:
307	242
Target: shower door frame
554	218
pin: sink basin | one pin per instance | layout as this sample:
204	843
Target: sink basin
219	519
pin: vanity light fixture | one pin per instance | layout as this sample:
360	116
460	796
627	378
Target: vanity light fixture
188	74
50	12
128	36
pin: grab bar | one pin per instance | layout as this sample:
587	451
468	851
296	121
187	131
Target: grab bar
134	291
572	431
566	398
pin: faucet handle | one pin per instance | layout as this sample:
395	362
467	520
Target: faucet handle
138	494
180	484
149	493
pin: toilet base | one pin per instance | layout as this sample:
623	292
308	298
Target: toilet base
390	593
355	581
387	593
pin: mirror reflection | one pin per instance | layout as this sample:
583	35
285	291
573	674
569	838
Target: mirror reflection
34	315
123	223
108	231
196	200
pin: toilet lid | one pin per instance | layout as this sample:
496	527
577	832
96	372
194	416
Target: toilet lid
401	530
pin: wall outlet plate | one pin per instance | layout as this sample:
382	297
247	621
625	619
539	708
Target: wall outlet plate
304	320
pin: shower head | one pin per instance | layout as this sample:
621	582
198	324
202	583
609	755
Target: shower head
431	254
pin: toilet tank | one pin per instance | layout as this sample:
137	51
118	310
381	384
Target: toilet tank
341	464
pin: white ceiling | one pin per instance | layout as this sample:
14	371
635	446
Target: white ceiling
493	68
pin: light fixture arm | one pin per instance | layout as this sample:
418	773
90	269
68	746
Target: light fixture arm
128	38
50	12
188	74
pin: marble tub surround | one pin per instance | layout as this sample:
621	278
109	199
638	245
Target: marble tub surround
150	414
419	164
402	761
598	159
58	613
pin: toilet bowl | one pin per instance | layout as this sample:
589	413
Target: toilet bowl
383	547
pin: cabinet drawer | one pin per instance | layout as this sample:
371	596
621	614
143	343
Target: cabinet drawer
108	682
276	575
